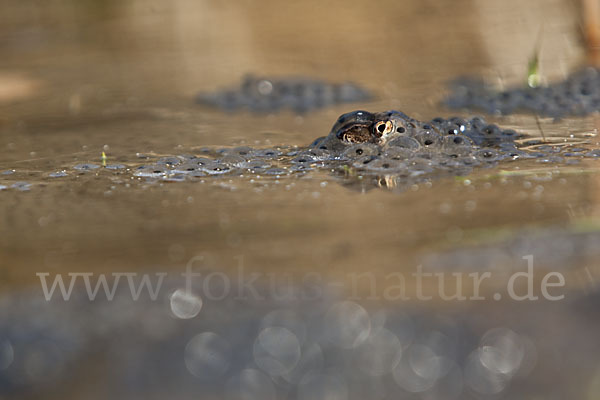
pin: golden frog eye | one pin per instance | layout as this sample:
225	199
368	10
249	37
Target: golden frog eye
383	128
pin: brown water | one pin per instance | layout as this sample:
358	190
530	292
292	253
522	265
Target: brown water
79	78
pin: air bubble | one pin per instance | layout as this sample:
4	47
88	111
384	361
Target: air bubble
184	304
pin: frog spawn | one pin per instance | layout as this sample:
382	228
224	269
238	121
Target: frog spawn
577	95
268	95
364	144
398	144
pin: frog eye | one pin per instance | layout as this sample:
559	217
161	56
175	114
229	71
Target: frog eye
348	138
383	128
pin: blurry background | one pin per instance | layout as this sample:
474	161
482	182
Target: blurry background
73	56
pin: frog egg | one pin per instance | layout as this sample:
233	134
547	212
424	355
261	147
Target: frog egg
169	161
255	165
304	159
186	168
475	136
457	145
398	153
383	165
217	169
460	123
265	153
360	150
487	155
427	138
331	144
420	166
174	178
404	142
317	154
202	160
437	122
86	167
232	159
450	128
363	161
491	130
275	171
150	171
477	123
510	134
242	151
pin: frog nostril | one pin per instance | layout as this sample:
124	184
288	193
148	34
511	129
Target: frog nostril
400	129
359	151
